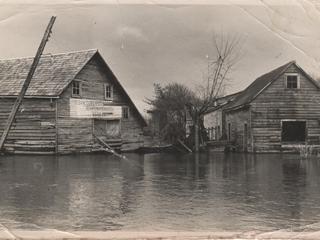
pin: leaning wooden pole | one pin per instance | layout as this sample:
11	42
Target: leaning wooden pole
26	83
108	148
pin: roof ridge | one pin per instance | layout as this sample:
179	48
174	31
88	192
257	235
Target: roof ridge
256	87
273	70
50	54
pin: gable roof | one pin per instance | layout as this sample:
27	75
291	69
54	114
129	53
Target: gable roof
113	78
261	83
53	75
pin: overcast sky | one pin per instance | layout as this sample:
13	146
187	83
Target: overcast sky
149	43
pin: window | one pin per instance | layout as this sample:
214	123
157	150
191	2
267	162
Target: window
293	131
108	94
76	89
292	81
125	112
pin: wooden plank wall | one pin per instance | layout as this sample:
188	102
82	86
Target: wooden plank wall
76	134
33	130
131	132
237	120
275	104
278	103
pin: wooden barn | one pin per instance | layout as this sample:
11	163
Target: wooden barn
72	98
279	111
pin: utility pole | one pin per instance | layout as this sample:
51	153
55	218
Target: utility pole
26	83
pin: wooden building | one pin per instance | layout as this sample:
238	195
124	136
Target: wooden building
214	118
72	97
279	111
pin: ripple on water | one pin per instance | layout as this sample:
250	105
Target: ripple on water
213	192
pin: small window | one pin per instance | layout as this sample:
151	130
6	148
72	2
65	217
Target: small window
292	81
76	88
108	94
125	112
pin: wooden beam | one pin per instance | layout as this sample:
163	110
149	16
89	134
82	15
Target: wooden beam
108	148
185	146
26	82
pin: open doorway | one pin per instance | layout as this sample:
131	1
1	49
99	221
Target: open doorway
294	131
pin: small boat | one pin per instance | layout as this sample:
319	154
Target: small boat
156	149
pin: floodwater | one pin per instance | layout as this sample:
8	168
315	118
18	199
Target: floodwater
210	191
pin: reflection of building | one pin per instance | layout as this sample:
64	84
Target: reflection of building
72	96
277	112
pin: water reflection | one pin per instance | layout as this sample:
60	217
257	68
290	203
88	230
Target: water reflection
207	191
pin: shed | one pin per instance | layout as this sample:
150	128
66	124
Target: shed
279	111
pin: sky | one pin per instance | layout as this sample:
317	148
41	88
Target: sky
160	42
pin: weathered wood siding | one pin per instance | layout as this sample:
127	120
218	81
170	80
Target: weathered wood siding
73	134
237	121
34	128
77	134
277	103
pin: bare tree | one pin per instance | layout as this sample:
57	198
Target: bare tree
227	51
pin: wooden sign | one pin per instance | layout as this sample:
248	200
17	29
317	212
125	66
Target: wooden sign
97	109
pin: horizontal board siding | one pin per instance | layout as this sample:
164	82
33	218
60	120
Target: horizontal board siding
74	135
277	103
131	132
34	127
274	104
77	134
93	79
237	120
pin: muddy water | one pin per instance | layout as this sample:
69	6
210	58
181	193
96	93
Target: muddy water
209	191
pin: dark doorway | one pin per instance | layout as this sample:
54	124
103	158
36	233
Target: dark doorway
229	131
293	131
